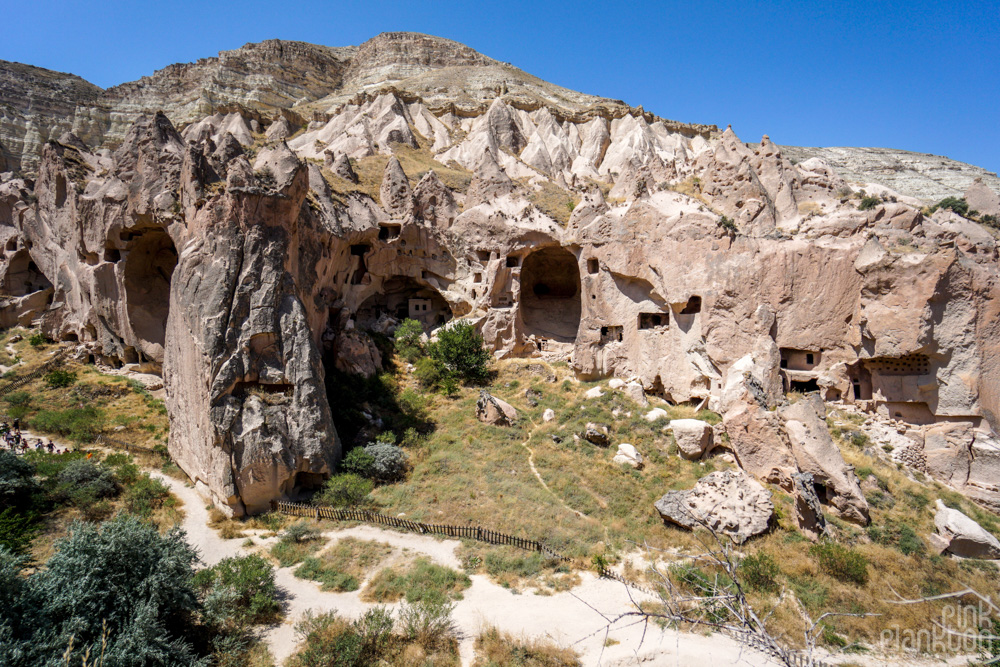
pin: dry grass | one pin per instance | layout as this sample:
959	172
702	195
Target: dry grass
553	201
496	649
346	564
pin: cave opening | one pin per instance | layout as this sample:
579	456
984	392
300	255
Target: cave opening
403	297
804	386
149	267
550	294
23	276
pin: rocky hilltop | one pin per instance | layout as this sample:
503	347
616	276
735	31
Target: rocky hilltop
246	250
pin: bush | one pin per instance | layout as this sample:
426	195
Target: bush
124	574
460	350
299	532
759	572
897	535
79	424
83	477
424	581
990	220
327	641
145	495
331	579
17	481
238	591
841	562
60	378
428	623
728	224
956	204
388	461
868	203
408	340
19	399
17	529
358	462
429	372
345	490
38	340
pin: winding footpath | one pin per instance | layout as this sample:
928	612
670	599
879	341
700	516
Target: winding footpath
579	617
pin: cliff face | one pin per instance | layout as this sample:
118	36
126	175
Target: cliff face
246	266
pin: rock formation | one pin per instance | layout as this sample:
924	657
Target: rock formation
493	410
431	182
728	502
959	535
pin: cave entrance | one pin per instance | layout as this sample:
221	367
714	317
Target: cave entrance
149	266
550	294
804	386
23	276
403	297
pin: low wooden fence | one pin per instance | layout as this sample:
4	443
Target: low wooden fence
121	444
365	516
37	373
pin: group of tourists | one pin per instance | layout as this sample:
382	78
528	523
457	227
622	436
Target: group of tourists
19	444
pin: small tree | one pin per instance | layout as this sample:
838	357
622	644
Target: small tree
461	351
956	204
408	340
345	490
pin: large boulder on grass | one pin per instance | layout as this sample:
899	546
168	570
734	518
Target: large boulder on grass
959	535
492	410
693	436
728	502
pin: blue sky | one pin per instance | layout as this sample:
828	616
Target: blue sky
919	76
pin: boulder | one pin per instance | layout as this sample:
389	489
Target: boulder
758	441
616	383
492	410
655	414
728	502
961	536
594	392
548	415
808	510
693	436
635	391
596	434
628	455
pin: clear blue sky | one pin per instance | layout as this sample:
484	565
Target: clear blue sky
921	76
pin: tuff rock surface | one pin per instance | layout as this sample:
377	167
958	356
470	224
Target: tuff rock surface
961	536
430	182
729	502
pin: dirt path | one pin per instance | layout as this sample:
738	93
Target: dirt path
538	476
567	618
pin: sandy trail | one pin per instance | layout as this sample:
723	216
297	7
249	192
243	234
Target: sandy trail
567	618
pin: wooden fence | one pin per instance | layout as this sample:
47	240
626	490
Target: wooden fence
365	516
37	373
121	444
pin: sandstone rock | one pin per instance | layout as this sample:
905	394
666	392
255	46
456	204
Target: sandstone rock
982	198
341	166
596	434
693	437
593	392
493	410
816	454
808	509
759	442
356	354
395	191
727	502
635	391
655	414
616	383
279	130
627	455
963	536
548	415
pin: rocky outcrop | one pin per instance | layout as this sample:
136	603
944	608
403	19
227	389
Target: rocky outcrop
627	455
959	535
492	410
727	502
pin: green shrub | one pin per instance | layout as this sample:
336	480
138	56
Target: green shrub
19	399
897	535
427	622
298	532
17	529
87	478
990	220
79	424
388	461
956	204
728	224
429	372
123	574
868	203
38	340
460	350
327	641
760	572
238	591
145	495
358	462
60	378
17	481
345	490
841	562
407	340
424	581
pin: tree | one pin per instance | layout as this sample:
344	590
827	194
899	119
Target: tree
123	582
459	348
408	340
